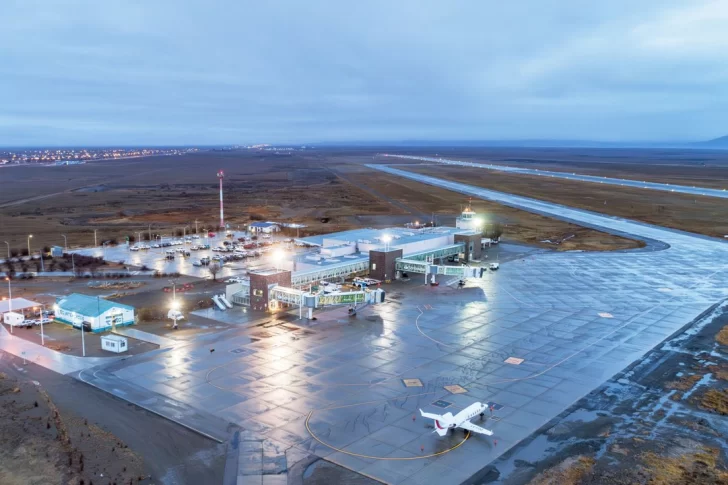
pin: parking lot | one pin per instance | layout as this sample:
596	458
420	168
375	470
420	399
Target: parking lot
155	258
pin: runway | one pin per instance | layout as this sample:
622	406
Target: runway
683	189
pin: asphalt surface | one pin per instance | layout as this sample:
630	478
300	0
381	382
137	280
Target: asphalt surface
684	189
172	454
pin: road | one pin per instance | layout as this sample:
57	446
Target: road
172	454
684	189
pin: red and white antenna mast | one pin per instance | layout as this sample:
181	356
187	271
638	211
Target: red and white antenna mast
221	175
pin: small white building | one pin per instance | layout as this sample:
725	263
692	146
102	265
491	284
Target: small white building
114	343
94	313
13	319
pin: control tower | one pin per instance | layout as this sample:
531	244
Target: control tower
468	219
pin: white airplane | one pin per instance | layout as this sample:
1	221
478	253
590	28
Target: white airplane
446	422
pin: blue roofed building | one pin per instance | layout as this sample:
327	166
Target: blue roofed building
264	227
94	313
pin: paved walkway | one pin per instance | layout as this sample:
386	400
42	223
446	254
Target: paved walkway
134	333
48	358
181	413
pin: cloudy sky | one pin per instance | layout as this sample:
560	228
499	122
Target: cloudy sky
75	72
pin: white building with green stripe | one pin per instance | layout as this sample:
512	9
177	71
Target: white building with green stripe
95	313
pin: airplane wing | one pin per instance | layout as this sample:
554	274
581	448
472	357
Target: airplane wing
475	429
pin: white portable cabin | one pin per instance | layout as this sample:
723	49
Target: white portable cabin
13	319
114	343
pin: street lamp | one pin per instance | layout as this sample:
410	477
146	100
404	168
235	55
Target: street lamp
40	322
65	240
175	305
278	256
184	231
96	244
29	236
386	239
10	300
8	250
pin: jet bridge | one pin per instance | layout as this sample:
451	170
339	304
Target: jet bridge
423	267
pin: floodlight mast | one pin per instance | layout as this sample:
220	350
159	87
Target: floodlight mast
221	175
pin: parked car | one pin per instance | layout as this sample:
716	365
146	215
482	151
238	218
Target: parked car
494	266
43	321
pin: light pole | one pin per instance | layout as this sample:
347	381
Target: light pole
40	322
175	307
150	233
8	244
29	237
10	300
65	240
96	244
196	231
83	337
278	257
386	239
184	231
73	264
139	238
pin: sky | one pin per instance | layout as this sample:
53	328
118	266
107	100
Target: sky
184	72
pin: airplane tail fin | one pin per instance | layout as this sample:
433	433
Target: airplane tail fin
441	423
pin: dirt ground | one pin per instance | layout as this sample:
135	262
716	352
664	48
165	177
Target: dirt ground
42	445
325	189
162	195
67	340
172	455
658	422
702	215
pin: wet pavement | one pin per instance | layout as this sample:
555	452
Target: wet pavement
155	259
334	388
